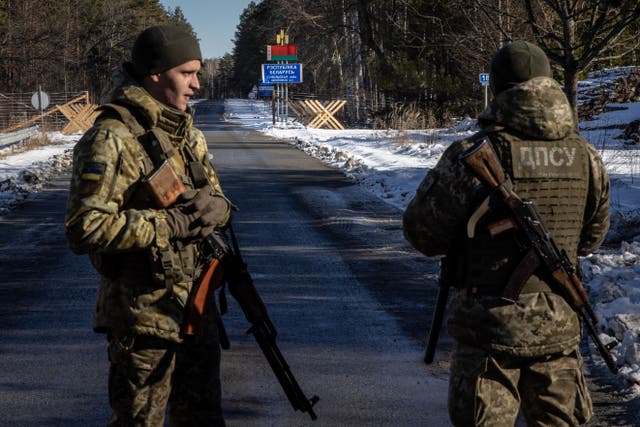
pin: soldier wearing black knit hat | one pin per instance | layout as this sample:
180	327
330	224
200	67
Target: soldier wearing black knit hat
162	47
516	337
145	248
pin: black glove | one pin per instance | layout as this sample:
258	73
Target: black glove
196	214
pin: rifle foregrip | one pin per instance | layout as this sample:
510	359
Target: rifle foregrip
568	288
579	288
245	293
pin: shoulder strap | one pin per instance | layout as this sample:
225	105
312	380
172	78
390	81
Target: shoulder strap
485	132
130	118
156	147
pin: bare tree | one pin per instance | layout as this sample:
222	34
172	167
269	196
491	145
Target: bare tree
70	45
427	51
579	33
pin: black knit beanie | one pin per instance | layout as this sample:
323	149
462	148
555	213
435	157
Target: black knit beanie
160	48
515	63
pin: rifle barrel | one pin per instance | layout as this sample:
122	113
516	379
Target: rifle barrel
604	353
436	324
264	333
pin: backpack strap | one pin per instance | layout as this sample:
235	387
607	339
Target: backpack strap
130	118
157	147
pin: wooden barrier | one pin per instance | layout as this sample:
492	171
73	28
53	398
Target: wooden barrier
318	114
79	112
301	111
81	115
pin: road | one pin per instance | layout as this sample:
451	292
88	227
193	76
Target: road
351	302
334	271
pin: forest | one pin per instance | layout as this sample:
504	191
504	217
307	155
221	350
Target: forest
389	58
393	61
72	45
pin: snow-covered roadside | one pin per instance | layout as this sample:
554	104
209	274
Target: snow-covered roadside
26	172
388	163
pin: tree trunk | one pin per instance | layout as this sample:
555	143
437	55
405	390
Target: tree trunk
359	91
570	62
571	89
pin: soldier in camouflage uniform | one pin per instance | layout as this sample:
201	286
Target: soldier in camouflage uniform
523	354
146	254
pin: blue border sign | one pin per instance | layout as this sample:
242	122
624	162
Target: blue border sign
282	73
265	90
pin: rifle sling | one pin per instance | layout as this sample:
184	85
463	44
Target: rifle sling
528	265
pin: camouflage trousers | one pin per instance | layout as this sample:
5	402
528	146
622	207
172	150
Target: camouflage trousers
490	390
148	374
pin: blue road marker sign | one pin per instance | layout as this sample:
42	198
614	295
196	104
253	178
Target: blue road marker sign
484	78
265	90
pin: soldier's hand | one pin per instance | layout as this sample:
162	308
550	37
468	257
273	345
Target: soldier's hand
196	214
216	213
181	217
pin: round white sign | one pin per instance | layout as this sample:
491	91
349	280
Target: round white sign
40	100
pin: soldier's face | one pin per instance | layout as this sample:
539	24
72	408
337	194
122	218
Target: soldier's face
175	86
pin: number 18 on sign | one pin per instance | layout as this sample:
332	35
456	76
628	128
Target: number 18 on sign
484	81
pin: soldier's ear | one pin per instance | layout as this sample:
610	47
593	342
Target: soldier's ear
154	77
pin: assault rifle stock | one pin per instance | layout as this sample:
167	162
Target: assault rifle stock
484	163
226	264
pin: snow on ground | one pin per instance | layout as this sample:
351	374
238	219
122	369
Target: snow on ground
28	171
391	164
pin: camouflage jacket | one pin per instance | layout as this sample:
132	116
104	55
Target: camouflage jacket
533	118
145	278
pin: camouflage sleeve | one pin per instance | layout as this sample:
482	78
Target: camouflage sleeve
443	202
105	167
201	152
596	214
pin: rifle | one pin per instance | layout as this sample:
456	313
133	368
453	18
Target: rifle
543	251
438	314
226	264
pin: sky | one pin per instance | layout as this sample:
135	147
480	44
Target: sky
214	21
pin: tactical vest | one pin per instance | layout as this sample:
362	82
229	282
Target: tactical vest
171	263
554	176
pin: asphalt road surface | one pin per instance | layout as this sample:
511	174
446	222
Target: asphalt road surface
351	302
